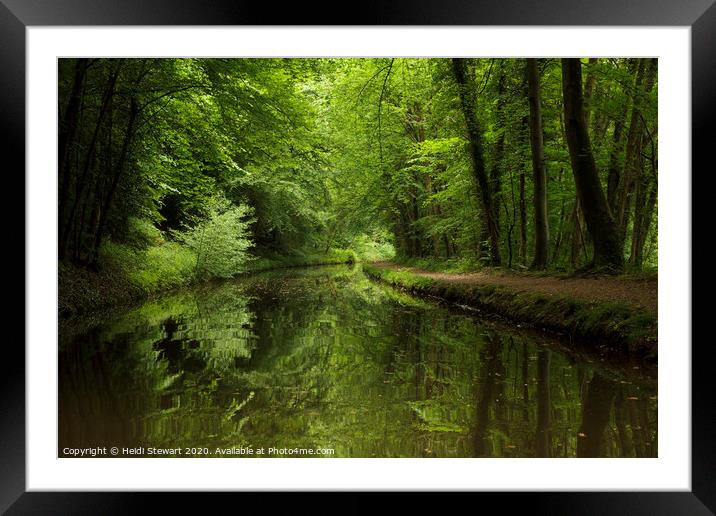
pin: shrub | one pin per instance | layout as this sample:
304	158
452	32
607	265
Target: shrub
372	250
220	242
161	266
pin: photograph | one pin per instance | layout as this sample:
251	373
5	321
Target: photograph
357	257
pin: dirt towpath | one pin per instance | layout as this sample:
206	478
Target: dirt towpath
640	293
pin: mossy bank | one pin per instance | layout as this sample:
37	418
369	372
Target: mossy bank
620	325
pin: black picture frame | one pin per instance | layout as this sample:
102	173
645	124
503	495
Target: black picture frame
17	15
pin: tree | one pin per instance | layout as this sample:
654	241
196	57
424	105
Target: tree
467	103
608	254
538	169
428	157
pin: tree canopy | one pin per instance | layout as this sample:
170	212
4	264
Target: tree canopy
204	164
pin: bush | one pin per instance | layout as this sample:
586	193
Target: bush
141	233
159	267
372	250
338	256
221	242
165	266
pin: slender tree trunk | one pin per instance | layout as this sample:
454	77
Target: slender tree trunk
640	207
523	206
67	131
129	135
476	155
416	121
613	174
446	244
600	224
589	85
432	210
646	193
496	171
65	227
577	235
560	229
644	212
415	230
523	219
635	142
513	221
401	232
540	177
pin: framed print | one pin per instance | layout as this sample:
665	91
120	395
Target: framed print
426	251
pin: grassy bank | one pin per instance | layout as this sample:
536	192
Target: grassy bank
127	274
616	323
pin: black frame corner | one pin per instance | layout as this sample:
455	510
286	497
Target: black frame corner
17	15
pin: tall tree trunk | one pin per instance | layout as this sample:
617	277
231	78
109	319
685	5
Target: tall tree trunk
589	85
538	169
513	222
478	163
643	213
106	204
67	131
65	227
616	162
416	123
497	166
401	232
560	229
633	161
613	174
434	211
415	229
600	224
646	193
578	245
523	206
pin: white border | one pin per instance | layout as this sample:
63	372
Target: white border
672	470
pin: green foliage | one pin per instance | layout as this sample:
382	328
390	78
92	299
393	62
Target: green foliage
220	242
310	155
158	267
373	249
141	233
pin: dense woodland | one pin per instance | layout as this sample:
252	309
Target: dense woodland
172	170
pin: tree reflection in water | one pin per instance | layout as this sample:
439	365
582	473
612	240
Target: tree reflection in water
324	357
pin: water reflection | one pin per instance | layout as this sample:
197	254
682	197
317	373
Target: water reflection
323	357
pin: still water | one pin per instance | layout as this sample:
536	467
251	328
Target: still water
324	359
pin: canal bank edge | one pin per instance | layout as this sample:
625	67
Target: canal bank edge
634	330
82	292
